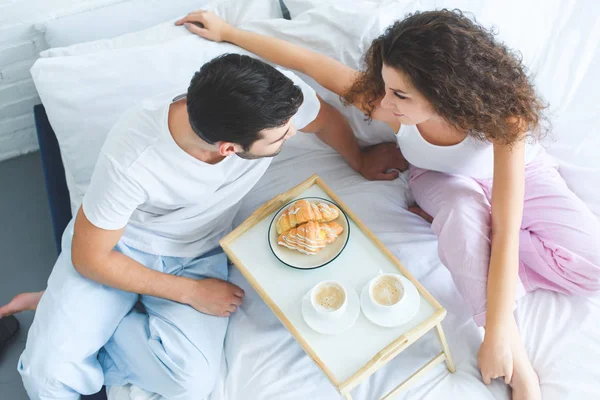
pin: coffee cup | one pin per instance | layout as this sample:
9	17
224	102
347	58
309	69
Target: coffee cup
386	292
329	299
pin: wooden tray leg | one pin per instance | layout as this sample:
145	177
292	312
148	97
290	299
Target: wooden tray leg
414	377
442	356
347	396
444	343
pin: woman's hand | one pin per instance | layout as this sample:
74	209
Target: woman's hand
382	161
207	25
495	358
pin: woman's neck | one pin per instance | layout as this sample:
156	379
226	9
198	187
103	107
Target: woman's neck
438	132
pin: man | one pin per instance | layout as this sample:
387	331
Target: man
164	191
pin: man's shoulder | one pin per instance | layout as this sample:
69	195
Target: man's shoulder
139	128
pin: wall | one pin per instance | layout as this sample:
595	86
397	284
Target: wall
20	44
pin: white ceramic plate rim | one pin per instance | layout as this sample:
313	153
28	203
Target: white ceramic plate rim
320	259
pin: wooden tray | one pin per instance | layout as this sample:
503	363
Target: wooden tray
353	355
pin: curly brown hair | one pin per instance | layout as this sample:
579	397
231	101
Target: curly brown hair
474	82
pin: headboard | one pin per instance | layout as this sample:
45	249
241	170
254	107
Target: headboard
54	174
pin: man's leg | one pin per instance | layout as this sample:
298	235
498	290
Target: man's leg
172	349
74	318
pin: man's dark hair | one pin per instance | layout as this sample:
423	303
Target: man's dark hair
233	97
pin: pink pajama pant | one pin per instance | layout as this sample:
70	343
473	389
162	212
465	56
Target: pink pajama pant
559	243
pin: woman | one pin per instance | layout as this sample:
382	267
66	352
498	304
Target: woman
467	119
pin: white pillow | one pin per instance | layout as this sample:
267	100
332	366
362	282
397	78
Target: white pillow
233	10
343	30
560	42
85	93
113	20
560	45
297	7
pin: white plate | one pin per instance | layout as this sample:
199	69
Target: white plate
294	258
403	314
333	326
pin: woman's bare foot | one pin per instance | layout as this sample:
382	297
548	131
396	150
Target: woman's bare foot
525	383
419	211
21	302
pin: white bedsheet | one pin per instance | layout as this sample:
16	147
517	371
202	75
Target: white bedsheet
562	333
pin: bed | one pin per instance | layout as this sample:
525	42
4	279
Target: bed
263	361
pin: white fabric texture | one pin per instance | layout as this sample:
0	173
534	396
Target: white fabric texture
112	20
471	157
85	93
172	204
561	332
297	7
560	43
233	10
560	46
266	363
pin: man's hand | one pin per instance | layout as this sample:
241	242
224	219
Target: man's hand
213	296
382	161
207	25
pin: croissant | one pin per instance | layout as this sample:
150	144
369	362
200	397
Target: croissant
303	211
311	237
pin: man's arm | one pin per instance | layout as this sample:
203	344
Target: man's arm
94	257
334	130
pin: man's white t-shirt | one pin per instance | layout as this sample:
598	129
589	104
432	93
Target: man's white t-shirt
171	203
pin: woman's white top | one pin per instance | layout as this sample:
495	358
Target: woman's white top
471	157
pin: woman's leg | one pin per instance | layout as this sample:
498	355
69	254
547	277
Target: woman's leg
461	214
560	236
461	211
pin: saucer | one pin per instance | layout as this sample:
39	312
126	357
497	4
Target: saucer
332	326
403	314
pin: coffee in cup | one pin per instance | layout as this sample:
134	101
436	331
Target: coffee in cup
328	298
386	290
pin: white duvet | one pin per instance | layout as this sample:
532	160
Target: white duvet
562	334
560	40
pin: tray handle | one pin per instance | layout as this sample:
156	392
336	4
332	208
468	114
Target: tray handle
386	355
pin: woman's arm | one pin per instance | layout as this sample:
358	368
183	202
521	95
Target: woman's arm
329	73
374	163
495	356
508	192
